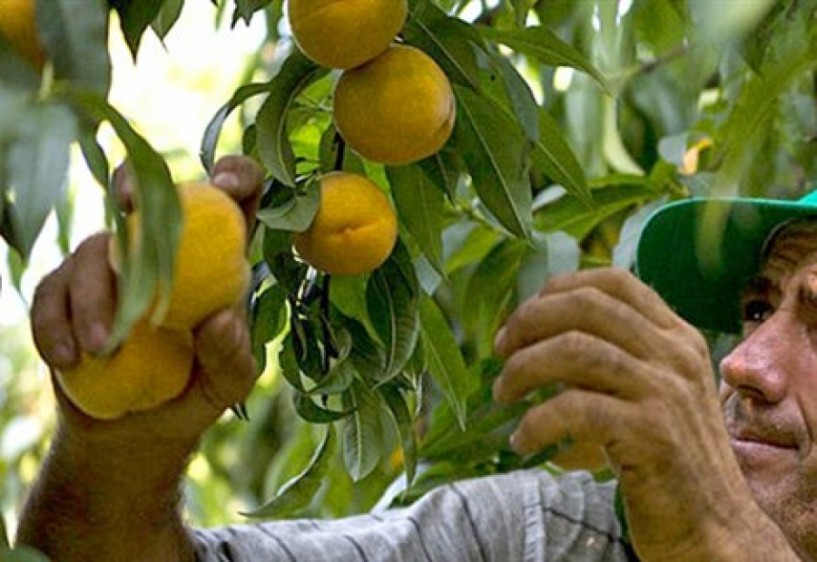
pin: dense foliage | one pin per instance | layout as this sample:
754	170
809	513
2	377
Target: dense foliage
575	119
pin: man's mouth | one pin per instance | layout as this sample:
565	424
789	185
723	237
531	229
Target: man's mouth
753	447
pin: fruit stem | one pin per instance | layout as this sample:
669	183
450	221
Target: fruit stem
341	144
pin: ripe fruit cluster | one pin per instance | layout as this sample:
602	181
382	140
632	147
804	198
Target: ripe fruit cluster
154	364
392	104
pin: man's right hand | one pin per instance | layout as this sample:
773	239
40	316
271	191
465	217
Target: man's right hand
74	308
109	489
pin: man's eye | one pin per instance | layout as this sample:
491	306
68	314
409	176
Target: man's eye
756	311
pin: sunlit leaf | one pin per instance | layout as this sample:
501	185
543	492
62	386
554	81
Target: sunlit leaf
274	147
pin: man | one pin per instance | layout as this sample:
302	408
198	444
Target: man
639	383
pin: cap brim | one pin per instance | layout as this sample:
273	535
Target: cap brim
698	254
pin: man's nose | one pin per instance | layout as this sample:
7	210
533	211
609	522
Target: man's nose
759	367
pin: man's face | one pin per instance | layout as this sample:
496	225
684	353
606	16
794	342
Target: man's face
769	387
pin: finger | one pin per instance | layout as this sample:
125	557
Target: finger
577	360
92	293
576	415
124	186
51	320
226	370
586	309
621	285
242	178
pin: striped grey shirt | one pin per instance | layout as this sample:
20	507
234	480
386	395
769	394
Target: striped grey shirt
526	516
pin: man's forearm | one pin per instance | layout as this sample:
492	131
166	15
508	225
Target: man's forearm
108	501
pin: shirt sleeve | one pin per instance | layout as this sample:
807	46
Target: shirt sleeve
526	516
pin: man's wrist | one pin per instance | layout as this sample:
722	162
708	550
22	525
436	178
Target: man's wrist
100	495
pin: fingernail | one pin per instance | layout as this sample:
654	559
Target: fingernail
64	353
99	336
226	180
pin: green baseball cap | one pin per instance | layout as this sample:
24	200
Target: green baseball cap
699	253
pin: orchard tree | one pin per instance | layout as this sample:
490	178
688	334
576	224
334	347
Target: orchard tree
499	143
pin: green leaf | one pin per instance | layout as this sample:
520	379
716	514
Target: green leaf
288	361
404	424
38	158
490	292
151	266
245	9
348	294
523	104
443	171
543	45
277	253
553	156
495	150
296	494
449	41
337	380
421	207
550	255
444	358
294	210
15	72
209	141
313	413
468	244
521	9
362	432
274	146
75	35
94	155
391	300
167	17
134	18
268	316
573	217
